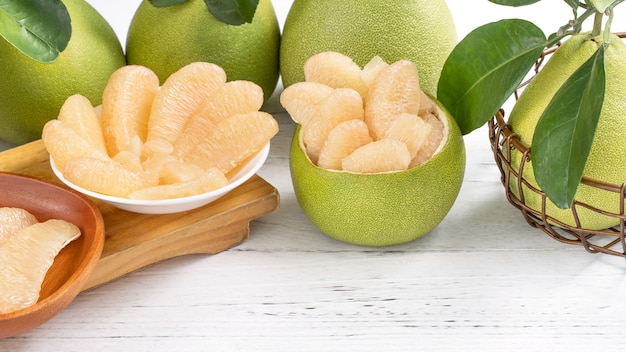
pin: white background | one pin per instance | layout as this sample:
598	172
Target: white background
481	281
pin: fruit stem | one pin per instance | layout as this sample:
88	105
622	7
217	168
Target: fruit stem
575	26
607	27
597	24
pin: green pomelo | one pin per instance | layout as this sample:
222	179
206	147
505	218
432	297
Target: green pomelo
385	208
166	39
607	157
421	31
31	93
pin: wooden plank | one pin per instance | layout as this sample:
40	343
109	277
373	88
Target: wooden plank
134	241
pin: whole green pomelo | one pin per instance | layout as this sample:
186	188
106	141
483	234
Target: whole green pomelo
166	39
381	209
421	31
31	93
608	152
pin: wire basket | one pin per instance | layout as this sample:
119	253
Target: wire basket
504	142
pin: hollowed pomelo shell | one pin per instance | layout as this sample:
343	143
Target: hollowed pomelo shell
385	208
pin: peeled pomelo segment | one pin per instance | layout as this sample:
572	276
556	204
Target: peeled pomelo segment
134	146
334	70
156	146
341	105
128	160
64	143
301	99
198	129
384	155
208	181
233	141
156	162
182	93
371	70
432	143
12	220
107	176
25	259
78	112
342	140
235	97
395	90
175	171
126	103
426	105
410	129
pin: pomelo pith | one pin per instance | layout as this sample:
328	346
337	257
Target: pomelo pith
421	31
31	93
607	157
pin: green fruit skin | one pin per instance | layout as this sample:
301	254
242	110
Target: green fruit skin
607	157
166	39
380	209
32	93
422	31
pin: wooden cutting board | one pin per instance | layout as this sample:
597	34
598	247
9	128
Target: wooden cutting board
134	241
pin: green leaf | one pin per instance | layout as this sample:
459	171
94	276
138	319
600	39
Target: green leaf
40	29
573	4
166	3
514	2
233	12
564	134
486	67
601	5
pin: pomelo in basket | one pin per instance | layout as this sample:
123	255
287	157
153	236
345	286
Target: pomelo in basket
31	93
422	31
607	157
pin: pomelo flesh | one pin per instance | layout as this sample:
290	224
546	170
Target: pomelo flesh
25	259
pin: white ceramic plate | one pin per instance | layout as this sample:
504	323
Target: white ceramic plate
175	205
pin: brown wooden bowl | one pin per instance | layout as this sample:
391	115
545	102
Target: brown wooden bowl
73	265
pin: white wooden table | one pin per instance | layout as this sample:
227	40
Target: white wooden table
481	281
